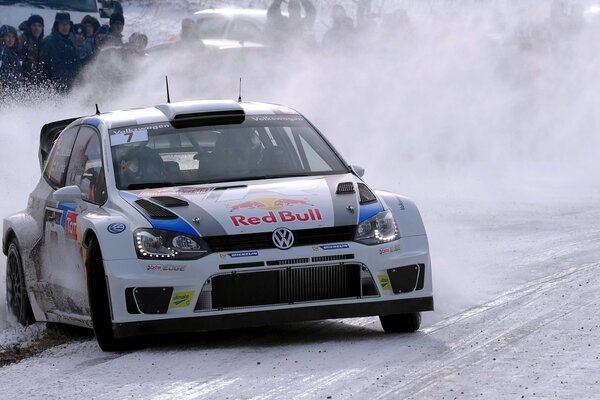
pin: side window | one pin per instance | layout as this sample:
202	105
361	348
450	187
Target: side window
245	30
56	168
86	169
211	28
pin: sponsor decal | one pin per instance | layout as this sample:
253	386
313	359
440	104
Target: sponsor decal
334	246
384	281
182	299
115	228
239	254
168	268
275	118
71	225
312	214
401	204
315	248
269	203
388	250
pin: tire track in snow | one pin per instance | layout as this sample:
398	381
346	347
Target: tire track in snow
505	330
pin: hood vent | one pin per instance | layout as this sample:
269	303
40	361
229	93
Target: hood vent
154	210
169	201
366	196
345	187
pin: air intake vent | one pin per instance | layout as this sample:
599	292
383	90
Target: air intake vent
345	187
366	196
333	258
154	210
169	201
289	261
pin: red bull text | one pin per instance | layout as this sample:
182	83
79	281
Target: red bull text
313	214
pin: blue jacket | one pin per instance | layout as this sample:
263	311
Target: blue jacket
61	59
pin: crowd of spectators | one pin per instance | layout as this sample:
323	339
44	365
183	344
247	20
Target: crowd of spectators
30	60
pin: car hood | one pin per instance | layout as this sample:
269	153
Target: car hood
254	206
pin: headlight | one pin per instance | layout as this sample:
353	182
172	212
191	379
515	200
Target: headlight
157	244
380	228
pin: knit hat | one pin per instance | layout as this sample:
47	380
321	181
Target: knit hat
78	29
117	17
4	29
35	19
62	16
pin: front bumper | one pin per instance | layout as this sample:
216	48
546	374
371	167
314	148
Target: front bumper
271	317
150	297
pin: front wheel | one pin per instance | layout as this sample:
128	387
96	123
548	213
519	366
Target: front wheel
401	323
99	302
16	291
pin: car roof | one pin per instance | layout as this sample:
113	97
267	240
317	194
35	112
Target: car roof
234	12
167	112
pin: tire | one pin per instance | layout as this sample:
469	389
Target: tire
99	302
17	298
401	323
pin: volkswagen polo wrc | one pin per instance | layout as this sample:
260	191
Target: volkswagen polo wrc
208	215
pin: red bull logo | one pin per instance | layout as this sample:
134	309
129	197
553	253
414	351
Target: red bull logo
269	203
71	225
312	214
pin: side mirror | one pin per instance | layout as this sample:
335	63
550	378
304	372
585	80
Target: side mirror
67	194
359	171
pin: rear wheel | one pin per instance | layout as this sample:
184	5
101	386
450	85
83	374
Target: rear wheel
99	302
400	323
16	291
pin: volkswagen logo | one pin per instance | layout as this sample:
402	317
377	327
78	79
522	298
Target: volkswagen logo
283	238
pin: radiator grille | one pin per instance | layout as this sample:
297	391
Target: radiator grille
285	286
256	241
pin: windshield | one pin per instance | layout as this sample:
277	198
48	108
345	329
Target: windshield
262	147
62	5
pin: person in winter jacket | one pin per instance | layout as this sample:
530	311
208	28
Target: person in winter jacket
91	25
60	54
30	51
85	53
115	33
10	63
294	27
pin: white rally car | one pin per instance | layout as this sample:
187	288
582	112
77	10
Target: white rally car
208	215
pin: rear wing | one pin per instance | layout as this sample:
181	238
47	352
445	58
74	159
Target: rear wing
48	136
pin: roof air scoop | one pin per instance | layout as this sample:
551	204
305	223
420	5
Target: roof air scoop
203	113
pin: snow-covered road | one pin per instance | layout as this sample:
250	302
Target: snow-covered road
533	331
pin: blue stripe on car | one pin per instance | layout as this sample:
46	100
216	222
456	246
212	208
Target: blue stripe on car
175	225
91	121
369	210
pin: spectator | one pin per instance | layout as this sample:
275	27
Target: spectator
10	64
91	25
60	55
137	44
342	29
30	51
85	53
115	32
189	31
283	29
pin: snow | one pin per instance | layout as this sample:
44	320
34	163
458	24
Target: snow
487	118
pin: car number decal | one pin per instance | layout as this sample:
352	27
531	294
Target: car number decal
128	136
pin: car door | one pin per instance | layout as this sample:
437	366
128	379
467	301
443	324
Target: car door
62	234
